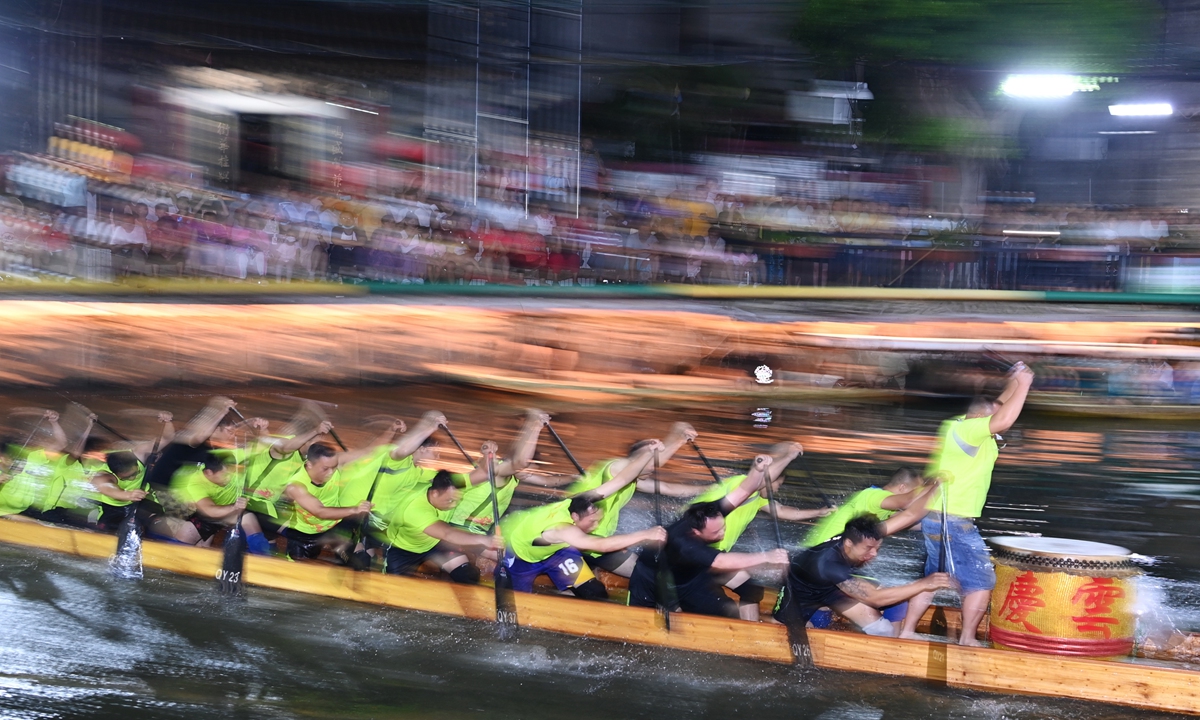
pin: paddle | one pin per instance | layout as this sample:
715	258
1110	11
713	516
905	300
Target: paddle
126	562
663	580
774	511
360	532
461	449
506	601
563	445
707	464
233	557
816	483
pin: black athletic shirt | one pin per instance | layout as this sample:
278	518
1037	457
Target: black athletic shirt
814	574
688	558
173	457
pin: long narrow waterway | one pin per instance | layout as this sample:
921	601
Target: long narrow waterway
76	644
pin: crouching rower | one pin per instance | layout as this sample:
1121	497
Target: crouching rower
206	499
122	482
315	511
548	540
695	563
904	490
621	478
417	533
750	593
823	576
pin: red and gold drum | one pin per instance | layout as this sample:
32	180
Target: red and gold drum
1062	597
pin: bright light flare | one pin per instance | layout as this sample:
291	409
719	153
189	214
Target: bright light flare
1141	110
1040	86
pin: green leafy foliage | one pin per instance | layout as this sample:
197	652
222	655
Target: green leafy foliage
1005	35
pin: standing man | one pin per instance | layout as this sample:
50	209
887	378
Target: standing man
964	459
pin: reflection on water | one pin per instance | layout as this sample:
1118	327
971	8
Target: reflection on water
75	643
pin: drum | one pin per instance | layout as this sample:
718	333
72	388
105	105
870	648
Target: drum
1062	597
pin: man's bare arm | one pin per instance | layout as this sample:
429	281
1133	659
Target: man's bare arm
302	497
462	538
791	514
580	540
878	597
1012	400
730	561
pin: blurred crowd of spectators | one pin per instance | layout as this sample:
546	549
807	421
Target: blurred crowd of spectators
698	234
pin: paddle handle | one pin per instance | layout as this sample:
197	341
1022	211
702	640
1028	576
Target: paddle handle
458	445
563	445
333	434
657	493
712	471
816	483
490	458
109	428
771	506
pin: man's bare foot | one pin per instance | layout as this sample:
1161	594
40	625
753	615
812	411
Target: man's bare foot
908	635
969	642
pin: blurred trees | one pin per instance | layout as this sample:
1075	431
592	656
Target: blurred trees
935	66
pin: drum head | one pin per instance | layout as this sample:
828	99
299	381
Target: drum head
1059	548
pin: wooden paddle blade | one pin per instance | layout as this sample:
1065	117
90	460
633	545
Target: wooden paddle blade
126	563
798	641
664	587
229	577
506	604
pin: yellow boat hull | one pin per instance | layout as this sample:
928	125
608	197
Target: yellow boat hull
1125	683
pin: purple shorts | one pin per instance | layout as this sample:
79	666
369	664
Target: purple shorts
565	568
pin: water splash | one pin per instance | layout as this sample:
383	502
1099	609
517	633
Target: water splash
126	564
1155	625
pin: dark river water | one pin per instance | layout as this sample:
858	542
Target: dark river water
76	644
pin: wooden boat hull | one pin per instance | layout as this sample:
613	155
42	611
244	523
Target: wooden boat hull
609	387
1124	683
1077	406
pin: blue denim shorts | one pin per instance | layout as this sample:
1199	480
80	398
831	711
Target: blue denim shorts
967	560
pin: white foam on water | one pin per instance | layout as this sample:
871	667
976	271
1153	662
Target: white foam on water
851	711
1155	619
127	563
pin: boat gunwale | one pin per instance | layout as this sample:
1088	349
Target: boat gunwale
947	664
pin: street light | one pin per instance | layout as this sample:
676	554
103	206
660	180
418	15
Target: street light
1141	110
1044	86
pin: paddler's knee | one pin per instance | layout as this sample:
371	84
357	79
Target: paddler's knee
880	628
465	574
591	590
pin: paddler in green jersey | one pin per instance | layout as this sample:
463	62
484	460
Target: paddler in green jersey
212	491
626	476
750	593
548	540
417	533
270	463
67	498
965	456
904	490
122	481
474	510
119	485
314	511
32	470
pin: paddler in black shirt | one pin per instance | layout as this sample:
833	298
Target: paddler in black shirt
695	565
823	576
